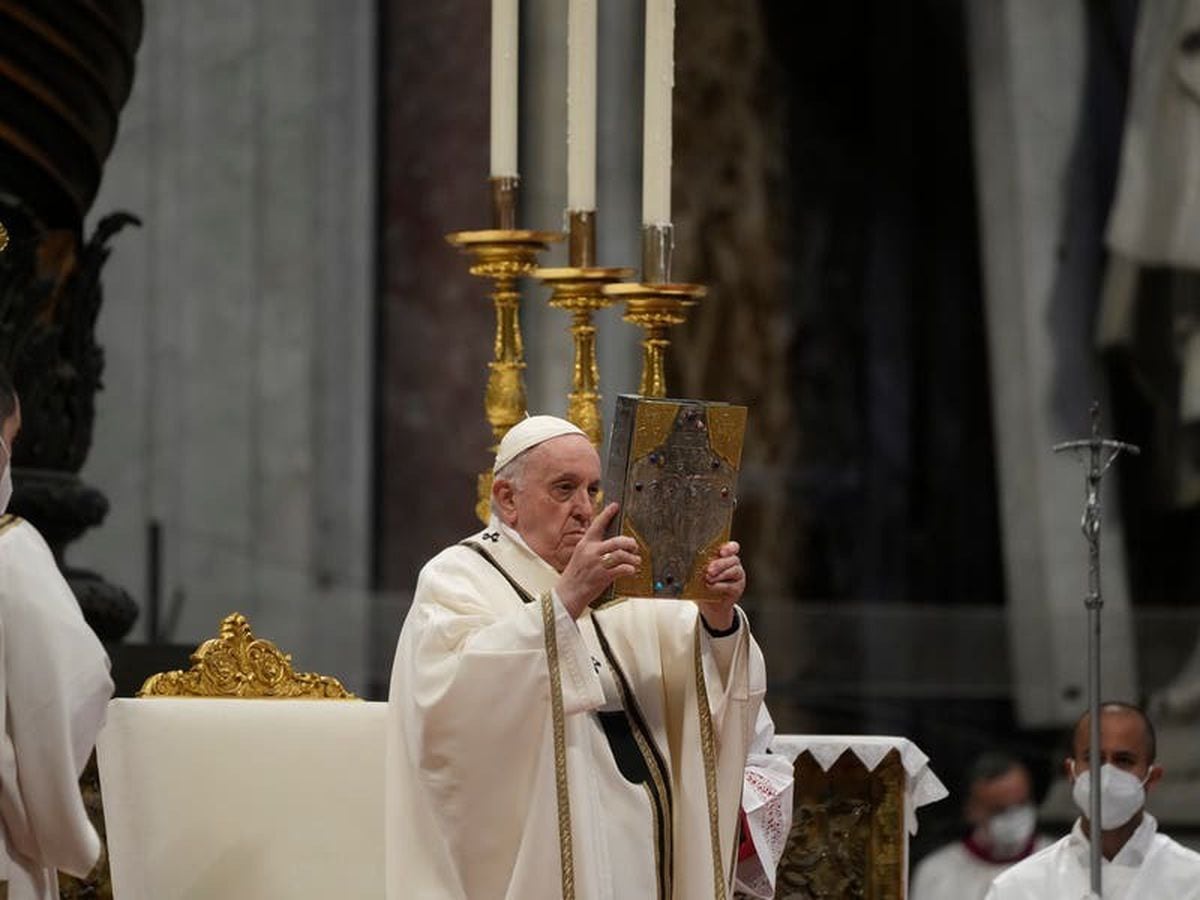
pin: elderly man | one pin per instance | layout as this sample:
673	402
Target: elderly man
56	686
1138	862
1002	820
540	746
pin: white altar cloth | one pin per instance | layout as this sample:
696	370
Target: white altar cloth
922	786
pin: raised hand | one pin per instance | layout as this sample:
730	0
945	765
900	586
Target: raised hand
727	578
596	563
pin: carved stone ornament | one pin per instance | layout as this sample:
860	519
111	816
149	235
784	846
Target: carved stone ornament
238	665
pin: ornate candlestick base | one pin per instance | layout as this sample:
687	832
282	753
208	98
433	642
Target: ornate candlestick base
503	255
580	291
655	308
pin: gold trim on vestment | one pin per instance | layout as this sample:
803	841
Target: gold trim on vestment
7	521
658	775
709	748
566	853
658	841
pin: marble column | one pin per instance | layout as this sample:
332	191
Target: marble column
239	324
1040	237
435	319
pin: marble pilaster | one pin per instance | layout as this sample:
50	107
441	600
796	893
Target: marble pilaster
238	324
1028	78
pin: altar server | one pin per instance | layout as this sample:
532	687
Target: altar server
56	685
1002	824
542	748
1139	863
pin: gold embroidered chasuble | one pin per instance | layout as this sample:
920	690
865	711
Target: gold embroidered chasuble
481	805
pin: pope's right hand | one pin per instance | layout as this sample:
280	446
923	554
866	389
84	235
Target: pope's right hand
595	564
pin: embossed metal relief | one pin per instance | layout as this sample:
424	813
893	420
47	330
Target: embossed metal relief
674	467
847	839
237	664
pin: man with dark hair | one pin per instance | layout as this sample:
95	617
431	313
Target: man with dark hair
1138	861
55	685
998	810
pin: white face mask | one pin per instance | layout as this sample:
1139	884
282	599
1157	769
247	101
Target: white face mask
1121	795
1008	833
6	487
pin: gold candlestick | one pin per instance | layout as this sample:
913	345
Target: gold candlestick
656	305
579	289
655	308
503	254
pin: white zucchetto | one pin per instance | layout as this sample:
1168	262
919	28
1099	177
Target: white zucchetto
528	433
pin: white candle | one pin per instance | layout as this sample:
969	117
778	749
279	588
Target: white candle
581	104
656	121
504	88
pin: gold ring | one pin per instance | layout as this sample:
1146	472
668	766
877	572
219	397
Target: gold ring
607	560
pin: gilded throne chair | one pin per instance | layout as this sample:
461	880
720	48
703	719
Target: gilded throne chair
241	779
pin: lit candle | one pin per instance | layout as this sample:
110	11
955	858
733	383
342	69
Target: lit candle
581	105
656	121
504	88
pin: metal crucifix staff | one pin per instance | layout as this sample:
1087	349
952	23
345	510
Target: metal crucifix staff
1102	453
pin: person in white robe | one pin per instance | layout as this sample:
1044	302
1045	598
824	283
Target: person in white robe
1138	862
56	687
1000	814
540	746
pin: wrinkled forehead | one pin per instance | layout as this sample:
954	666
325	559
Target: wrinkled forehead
566	454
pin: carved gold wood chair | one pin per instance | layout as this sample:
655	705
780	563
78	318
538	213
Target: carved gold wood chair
242	779
854	805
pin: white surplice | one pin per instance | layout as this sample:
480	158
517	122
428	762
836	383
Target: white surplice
953	872
56	686
1150	866
473	800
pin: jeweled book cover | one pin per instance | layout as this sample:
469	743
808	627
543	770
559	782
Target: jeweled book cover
673	467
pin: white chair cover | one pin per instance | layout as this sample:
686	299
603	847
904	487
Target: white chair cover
211	799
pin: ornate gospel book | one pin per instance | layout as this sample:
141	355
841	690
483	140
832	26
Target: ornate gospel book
673	467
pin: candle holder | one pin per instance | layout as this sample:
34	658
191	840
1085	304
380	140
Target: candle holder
579	290
656	305
503	255
655	308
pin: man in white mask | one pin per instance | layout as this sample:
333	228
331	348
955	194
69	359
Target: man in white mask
1139	863
55	685
1002	820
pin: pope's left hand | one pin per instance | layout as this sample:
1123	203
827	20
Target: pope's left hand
727	578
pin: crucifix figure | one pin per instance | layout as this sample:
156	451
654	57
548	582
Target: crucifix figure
1102	453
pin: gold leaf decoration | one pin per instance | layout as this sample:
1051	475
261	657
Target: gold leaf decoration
237	664
847	839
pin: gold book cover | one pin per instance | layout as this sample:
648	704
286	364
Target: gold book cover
673	467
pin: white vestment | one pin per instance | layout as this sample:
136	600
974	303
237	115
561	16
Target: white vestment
1150	866
953	872
641	798
56	687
